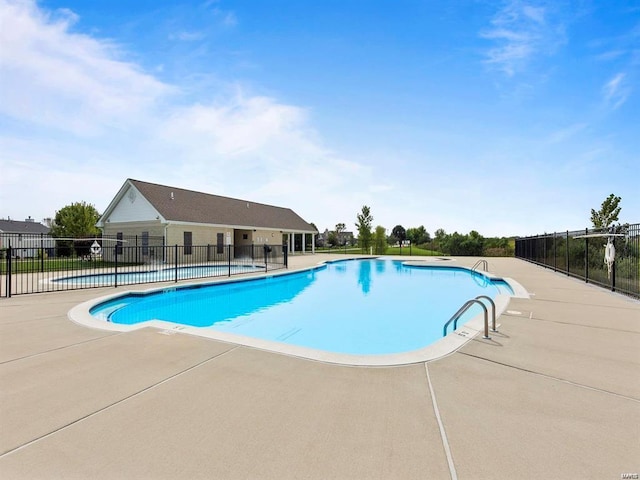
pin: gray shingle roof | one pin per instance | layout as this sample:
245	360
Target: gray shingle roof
13	226
178	204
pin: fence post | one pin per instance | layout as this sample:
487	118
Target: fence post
566	253
175	262
586	256
115	267
9	268
266	257
555	266
285	252
41	252
229	259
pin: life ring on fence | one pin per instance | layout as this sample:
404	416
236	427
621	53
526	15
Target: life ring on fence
609	256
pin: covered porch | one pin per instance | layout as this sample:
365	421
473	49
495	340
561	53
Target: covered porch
299	242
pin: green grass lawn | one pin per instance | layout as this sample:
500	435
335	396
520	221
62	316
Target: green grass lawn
341	250
413	251
404	251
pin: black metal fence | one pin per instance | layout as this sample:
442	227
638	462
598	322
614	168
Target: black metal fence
581	256
122	264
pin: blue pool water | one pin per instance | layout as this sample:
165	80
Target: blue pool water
157	275
359	307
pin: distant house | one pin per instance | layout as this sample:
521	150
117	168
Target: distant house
26	237
343	238
185	217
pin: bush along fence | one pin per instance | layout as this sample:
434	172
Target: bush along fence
23	271
609	258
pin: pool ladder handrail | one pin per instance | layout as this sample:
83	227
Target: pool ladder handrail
468	304
480	262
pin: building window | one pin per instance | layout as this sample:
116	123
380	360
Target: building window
245	236
188	242
119	237
220	243
145	243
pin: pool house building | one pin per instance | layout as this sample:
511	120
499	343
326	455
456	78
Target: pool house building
176	216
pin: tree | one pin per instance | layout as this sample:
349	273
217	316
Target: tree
380	241
607	214
440	234
76	220
365	220
440	239
340	227
450	244
457	244
399	233
473	244
332	239
418	236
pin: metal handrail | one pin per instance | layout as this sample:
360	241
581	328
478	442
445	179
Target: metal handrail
463	309
468	304
482	262
493	311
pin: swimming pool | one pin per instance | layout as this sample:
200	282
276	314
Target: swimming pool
373	307
165	274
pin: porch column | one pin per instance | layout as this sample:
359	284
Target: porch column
313	243
304	241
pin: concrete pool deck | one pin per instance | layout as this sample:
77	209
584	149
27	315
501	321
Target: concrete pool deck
554	394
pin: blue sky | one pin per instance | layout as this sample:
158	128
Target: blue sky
505	117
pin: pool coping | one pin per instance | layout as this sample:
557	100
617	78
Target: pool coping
445	346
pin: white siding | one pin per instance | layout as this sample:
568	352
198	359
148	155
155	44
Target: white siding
132	207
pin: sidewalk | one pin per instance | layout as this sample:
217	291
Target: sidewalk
554	394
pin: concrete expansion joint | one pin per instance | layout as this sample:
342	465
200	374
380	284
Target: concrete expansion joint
71	345
443	433
116	403
551	377
573	324
598	305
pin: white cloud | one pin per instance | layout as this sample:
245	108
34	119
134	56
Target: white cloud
79	120
566	133
186	36
239	125
229	19
610	55
225	17
536	14
521	32
616	91
70	82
